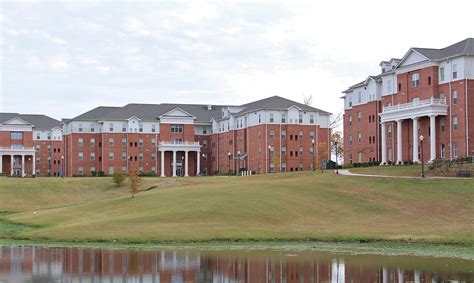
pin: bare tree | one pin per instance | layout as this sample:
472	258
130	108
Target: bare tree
337	144
135	182
336	121
308	100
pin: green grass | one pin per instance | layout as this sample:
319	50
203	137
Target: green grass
276	207
401	170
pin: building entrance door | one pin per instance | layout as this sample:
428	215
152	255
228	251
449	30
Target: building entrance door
179	170
17	172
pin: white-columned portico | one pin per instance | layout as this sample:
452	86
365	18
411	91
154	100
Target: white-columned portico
412	111
21	153
175	147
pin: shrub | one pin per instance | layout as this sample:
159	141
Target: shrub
93	173
101	174
135	182
119	178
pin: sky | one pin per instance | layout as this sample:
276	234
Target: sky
62	58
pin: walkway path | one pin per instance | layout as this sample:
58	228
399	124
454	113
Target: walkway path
346	172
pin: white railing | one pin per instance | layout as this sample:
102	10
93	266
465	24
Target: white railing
22	148
431	101
178	143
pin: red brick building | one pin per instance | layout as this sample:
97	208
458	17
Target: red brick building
30	145
427	96
270	135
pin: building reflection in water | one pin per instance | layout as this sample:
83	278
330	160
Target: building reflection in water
35	264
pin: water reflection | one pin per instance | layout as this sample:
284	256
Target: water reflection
34	264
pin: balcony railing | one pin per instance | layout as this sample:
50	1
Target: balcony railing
178	143
17	149
413	104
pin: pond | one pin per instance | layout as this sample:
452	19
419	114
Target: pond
38	264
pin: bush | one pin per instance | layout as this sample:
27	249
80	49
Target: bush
135	182
93	173
101	174
119	178
148	174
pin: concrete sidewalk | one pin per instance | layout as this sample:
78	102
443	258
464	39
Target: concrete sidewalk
346	172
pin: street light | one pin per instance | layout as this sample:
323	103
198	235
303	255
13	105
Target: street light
61	166
337	166
238	162
182	161
314	151
422	160
269	152
228	165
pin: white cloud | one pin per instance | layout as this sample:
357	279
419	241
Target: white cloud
59	63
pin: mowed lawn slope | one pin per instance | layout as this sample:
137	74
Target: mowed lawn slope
290	206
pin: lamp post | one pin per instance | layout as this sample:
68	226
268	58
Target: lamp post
182	167
228	165
238	163
269	152
61	166
337	166
422	159
314	152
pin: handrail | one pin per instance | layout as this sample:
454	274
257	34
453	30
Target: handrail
430	101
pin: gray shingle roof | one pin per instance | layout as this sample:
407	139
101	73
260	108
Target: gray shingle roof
465	47
39	121
152	112
276	102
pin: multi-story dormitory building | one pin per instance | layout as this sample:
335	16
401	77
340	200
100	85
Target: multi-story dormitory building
270	135
30	144
429	93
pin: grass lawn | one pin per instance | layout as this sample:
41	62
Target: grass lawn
282	207
401	170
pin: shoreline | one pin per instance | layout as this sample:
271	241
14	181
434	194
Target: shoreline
376	247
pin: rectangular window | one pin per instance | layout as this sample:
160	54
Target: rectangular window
272	167
80	141
311	151
49	136
359	97
415	80
441	74
389	130
442	124
311	119
92	141
259	118
300	119
140	156
111	127
79	128
140	142
283	134
153	141
455	149
455	71
443	151
350	120
204	156
272	118
92	156
92	128
455	123
283	151
153	128
301	135
124	127
350	100
80	170
283	167
124	156
311	135
272	134
38	147
399	87
124	141
359	116
176	128
272	150
350	139
111	141
454	96
429	80
301	151
111	170
92	170
140	127
80	156
111	156
16	135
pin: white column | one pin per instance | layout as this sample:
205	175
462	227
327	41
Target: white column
11	164
399	142
34	164
174	163
198	161
384	145
415	140
163	163
432	138
186	163
22	165
1	164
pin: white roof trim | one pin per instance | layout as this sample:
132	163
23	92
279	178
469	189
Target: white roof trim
17	118
406	56
177	108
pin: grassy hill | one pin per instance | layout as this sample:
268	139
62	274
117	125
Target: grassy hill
290	206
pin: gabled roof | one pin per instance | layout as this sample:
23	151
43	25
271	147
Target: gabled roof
95	113
276	102
39	121
177	109
464	47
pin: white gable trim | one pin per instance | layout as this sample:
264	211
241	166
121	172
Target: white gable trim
405	57
294	106
168	114
22	122
134	117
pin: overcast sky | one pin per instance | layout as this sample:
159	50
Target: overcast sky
64	58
